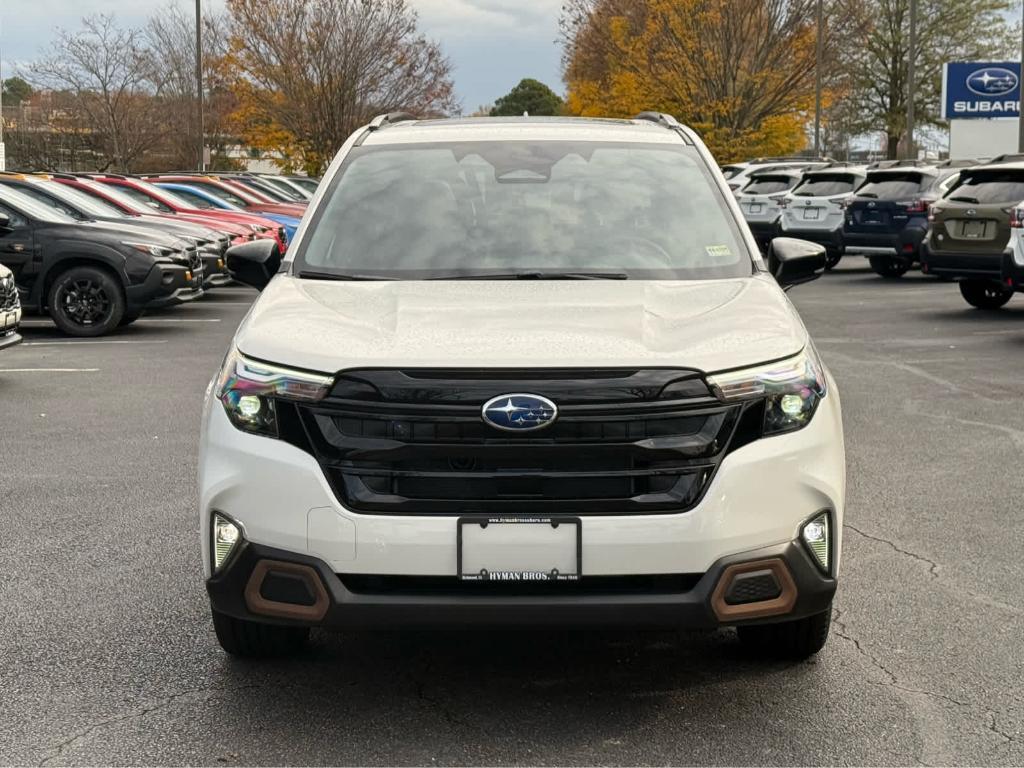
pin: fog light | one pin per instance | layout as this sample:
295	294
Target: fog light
816	536
249	406
225	538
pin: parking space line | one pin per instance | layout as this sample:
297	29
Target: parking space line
79	343
178	320
49	370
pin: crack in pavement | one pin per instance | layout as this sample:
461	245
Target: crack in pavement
992	725
59	749
933	567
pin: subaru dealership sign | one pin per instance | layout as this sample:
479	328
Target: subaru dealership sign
972	90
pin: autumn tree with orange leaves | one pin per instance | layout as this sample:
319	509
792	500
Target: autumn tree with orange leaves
309	72
740	73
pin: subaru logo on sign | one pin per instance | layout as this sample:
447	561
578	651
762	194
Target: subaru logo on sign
519	412
992	81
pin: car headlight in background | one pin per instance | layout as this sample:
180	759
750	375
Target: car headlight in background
791	389
247	389
153	249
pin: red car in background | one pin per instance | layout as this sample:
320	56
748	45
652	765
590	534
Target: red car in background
234	193
165	201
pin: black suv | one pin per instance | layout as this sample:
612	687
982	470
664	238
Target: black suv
83	207
10	309
91	277
887	218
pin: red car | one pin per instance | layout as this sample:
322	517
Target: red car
165	201
235	193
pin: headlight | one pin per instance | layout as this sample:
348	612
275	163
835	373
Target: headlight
247	390
258	228
791	389
151	248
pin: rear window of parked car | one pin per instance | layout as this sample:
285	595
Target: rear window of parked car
989	187
826	185
895	186
766	185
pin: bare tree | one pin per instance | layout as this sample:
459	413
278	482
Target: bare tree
108	76
171	36
311	71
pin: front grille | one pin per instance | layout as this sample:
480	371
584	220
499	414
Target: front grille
195	261
413	442
8	295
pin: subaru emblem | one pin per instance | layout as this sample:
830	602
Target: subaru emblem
971	212
992	81
519	412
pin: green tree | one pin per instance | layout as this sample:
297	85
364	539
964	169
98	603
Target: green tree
15	91
529	96
947	30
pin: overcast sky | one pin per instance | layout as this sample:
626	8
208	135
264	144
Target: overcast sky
492	43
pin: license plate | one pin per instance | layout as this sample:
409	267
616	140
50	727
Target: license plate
811	214
973	229
756	207
519	549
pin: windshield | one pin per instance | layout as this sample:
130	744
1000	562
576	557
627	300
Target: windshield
826	185
425	211
732	170
767	185
222	193
989	187
85	203
32	208
96	191
894	186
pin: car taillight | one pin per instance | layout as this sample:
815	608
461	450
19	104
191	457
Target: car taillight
1017	218
915	206
933	212
783	201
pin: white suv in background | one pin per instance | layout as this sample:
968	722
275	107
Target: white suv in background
761	201
815	209
522	371
738	174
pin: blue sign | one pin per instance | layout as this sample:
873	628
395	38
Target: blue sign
973	90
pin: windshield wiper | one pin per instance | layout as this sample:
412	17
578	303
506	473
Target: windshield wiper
530	275
308	274
972	200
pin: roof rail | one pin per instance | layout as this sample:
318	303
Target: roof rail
1012	157
791	159
661	118
964	162
390	118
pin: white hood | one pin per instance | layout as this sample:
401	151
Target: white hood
708	325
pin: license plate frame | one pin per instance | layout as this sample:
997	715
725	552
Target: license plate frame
972	229
756	207
564	542
812	214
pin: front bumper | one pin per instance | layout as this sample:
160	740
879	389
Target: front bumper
1012	272
959	265
329	599
755	506
215	272
166	285
9	322
9	339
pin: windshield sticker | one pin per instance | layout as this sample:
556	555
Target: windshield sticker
719	251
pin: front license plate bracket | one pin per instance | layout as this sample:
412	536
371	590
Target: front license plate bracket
513	549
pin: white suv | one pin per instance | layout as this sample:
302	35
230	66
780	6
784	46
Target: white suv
816	208
522	371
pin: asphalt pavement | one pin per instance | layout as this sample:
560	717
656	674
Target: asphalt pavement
107	655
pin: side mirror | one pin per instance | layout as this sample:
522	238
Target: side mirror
794	262
254	263
5	221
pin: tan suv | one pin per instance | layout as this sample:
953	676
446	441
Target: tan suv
970	230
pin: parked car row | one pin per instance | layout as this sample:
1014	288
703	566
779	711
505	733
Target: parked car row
96	251
958	219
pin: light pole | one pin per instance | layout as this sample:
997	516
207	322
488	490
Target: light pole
910	150
199	84
1020	92
817	82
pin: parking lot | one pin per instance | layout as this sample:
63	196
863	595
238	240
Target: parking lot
107	653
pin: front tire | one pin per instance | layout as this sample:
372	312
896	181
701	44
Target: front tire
796	640
86	301
985	294
252	639
889	266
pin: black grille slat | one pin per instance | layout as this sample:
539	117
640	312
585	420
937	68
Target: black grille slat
415	443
